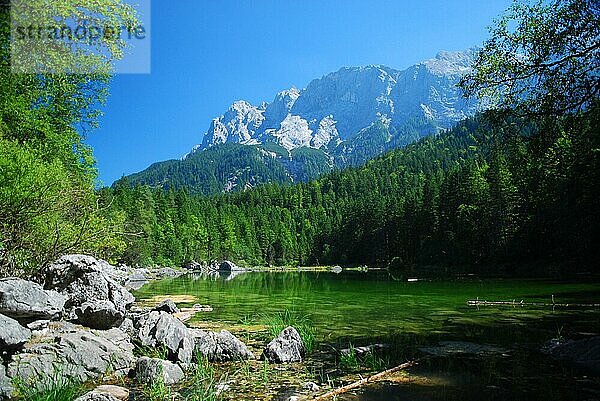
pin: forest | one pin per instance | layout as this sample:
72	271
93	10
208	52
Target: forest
495	190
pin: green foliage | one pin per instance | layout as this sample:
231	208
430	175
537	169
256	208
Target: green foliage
491	191
47	202
160	352
203	382
349	360
56	387
542	57
157	390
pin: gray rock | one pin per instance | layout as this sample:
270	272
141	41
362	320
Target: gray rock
311	386
78	353
229	266
584	353
100	315
120	393
38	325
136	281
6	388
162	329
84	279
26	301
151	370
166	306
167	272
95	396
287	347
336	269
220	347
127	327
12	334
451	348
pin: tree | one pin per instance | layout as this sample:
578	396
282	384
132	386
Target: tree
47	174
543	58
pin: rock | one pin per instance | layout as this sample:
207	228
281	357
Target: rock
166	306
12	334
84	279
150	370
95	396
287	347
229	266
27	301
136	281
360	351
220	347
162	329
100	315
336	269
193	266
38	325
127	327
584	353
6	388
311	386
450	348
120	393
167	272
78	353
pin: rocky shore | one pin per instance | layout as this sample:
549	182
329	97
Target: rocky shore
80	321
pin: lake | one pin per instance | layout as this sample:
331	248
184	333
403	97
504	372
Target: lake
362	308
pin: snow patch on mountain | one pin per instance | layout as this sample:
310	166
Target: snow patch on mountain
340	105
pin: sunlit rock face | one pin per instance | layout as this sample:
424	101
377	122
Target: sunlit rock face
339	105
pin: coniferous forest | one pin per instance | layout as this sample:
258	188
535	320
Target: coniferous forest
496	189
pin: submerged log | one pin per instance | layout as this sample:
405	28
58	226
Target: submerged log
366	380
514	303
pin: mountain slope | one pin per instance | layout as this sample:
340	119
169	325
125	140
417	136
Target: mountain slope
342	119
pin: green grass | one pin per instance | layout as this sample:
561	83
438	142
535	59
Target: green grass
352	361
301	322
203	381
349	360
157	390
57	387
159	352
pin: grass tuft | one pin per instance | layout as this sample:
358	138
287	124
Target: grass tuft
57	387
279	321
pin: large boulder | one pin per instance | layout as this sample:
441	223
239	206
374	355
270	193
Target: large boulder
229	266
220	347
162	329
100	315
152	370
12	334
85	279
584	353
287	347
78	353
27	301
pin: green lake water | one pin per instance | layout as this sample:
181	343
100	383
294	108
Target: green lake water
363	308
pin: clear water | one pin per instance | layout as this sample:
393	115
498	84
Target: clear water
363	308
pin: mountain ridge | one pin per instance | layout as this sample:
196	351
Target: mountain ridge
341	119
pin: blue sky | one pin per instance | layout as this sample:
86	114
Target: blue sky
207	54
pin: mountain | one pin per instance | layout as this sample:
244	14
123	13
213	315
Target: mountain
342	119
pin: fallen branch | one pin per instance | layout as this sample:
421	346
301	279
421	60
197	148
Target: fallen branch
515	303
366	380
